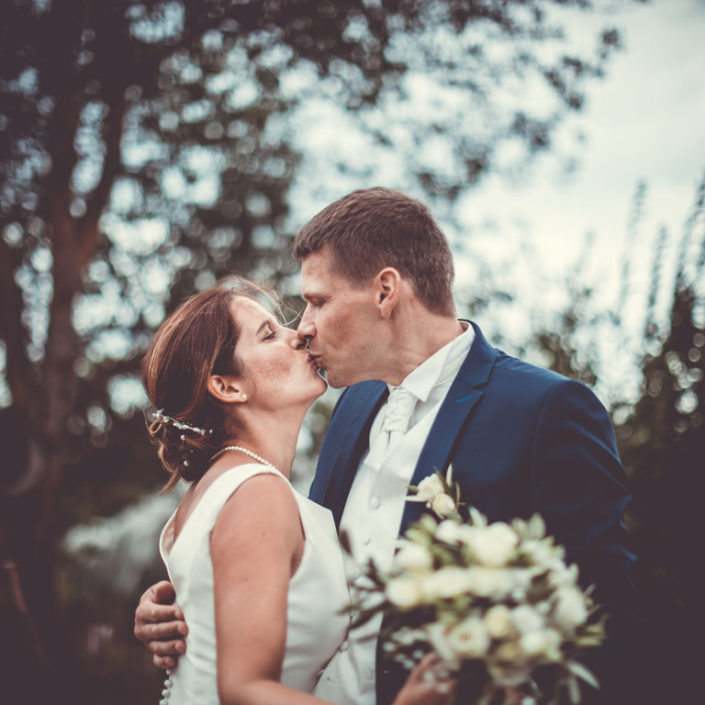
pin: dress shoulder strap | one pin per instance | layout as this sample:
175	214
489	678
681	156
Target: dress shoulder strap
205	513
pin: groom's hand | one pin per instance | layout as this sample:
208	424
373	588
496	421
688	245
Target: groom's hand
159	623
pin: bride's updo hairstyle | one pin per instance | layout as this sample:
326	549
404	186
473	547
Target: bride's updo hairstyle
196	341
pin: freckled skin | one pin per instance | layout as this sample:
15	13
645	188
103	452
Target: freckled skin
277	369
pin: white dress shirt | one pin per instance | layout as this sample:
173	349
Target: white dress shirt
375	504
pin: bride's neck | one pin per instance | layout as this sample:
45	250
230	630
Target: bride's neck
273	440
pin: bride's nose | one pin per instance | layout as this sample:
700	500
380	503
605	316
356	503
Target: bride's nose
298	342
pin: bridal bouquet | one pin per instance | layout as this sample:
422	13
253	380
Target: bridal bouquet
496	602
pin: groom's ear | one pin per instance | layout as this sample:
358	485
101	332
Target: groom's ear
388	288
226	388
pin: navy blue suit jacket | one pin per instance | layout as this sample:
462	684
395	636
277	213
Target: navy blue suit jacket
521	440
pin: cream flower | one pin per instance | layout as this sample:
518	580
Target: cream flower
469	639
428	488
526	619
444	505
498	621
543	643
570	610
413	557
493	545
539	551
490	582
446	582
449	531
405	593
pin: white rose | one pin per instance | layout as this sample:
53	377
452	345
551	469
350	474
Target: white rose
438	638
428	488
466	533
490	582
498	621
562	575
509	652
540	552
413	557
443	505
405	593
446	582
526	619
494	545
544	643
449	531
469	639
570	609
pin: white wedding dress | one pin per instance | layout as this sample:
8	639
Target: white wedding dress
317	593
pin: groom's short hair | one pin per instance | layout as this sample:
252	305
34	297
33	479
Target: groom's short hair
370	229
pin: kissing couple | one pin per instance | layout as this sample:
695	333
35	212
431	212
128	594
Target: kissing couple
260	582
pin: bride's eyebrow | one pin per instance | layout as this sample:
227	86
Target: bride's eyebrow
267	323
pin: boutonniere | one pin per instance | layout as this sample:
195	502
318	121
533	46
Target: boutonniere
440	494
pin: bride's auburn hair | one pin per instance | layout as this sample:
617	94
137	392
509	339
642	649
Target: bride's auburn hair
196	341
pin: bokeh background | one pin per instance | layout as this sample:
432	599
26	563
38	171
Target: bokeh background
149	147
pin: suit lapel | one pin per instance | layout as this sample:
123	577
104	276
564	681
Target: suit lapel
465	392
352	442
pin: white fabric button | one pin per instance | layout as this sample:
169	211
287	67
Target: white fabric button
344	646
367	541
374	503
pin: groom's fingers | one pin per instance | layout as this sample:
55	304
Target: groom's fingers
161	592
161	631
151	612
163	662
166	653
172	648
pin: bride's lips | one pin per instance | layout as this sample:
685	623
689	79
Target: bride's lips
315	362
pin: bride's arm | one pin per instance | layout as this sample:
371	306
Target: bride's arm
256	546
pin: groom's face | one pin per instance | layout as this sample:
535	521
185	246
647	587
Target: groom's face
341	322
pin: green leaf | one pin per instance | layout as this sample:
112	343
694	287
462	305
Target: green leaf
579	670
573	690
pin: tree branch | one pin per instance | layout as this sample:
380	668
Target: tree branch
18	368
112	135
20	605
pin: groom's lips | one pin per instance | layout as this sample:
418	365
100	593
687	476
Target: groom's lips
315	361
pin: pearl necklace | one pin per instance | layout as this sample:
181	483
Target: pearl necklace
252	455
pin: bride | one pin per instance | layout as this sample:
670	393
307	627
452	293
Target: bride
257	567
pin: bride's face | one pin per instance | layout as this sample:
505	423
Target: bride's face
277	370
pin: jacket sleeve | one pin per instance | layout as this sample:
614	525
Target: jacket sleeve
579	486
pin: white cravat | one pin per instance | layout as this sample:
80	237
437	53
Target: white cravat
397	414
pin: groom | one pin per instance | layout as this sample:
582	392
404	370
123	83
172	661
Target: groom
425	390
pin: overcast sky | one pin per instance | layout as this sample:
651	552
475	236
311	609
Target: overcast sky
645	121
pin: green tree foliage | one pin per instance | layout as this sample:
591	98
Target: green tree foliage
661	438
144	152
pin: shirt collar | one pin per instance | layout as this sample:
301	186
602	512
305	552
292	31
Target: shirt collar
434	370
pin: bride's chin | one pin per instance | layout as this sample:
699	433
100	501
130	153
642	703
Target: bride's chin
318	390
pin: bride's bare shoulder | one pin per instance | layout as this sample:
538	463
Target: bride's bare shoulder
263	508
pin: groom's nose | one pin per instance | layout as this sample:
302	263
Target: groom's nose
306	329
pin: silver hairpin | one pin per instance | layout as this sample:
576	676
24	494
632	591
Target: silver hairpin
162	416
